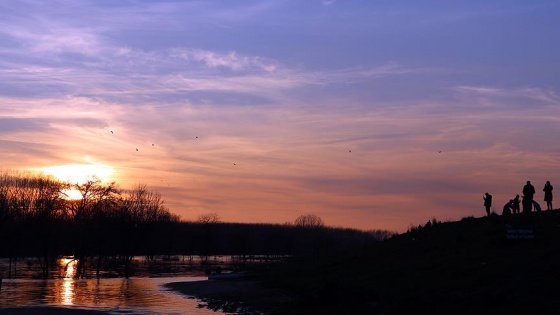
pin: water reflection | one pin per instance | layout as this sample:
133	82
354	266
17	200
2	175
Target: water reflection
118	296
64	294
69	266
67	293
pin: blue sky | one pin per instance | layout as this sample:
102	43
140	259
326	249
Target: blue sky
338	108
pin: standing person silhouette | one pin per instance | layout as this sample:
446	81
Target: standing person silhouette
487	203
528	192
548	195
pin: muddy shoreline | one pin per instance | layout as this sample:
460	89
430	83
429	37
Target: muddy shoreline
241	296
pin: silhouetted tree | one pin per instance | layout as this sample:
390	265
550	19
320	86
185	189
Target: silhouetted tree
142	210
48	203
30	204
309	220
87	214
208	223
208	218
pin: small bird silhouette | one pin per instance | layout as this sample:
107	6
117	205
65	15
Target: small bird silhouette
136	149
111	131
152	144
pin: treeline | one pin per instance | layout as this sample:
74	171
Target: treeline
243	240
111	224
38	220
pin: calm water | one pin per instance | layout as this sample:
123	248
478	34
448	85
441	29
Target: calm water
118	296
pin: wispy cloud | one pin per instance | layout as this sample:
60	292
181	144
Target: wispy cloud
64	40
230	60
245	12
549	97
168	72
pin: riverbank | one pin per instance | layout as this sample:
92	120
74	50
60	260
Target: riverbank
242	296
490	265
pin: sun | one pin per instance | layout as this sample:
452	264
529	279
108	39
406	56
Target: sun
80	173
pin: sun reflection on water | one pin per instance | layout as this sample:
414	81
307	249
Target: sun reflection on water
112	295
65	294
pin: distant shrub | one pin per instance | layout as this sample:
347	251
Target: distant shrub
309	220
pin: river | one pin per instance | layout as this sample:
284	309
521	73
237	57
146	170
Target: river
116	295
136	295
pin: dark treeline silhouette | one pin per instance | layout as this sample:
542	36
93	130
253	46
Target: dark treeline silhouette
110	226
36	220
244	240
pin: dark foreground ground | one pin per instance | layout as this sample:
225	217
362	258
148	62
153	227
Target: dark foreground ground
491	265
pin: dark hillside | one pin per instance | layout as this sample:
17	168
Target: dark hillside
492	265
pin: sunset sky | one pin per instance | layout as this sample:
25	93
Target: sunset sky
370	114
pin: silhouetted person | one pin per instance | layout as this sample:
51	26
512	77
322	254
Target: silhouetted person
537	206
487	203
515	204
507	208
527	205
548	195
528	192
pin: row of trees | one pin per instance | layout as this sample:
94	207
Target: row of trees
108	223
37	219
273	240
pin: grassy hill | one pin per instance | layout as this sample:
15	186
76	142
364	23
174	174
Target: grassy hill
491	265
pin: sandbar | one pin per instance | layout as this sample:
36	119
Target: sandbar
245	296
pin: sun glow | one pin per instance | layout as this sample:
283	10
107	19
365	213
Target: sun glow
79	174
